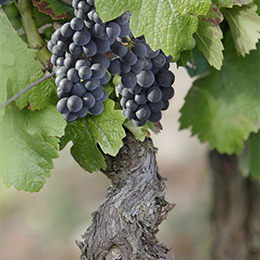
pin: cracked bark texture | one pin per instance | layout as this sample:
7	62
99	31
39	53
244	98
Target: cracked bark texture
125	225
235	218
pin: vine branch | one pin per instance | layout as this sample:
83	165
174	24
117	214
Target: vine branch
25	89
34	39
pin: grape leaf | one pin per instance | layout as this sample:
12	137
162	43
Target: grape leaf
200	65
29	142
55	8
209	35
41	18
105	129
223	107
18	64
244	24
231	3
257	2
185	57
160	21
193	6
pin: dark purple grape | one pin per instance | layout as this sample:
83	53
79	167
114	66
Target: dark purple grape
155	117
141	98
70	116
143	112
105	96
66	30
76	23
82	62
65	85
82	37
124	18
62	106
152	54
97	109
102	45
139	49
69	62
126	94
88	100
130	58
129	114
145	78
131	105
98	71
104	80
147	64
159	61
125	68
165	104
74	103
139	122
154	94
165	78
129	80
78	89
120	88
155	107
97	93
91	84
123	102
82	112
113	30
99	30
101	59
119	49
85	72
74	48
137	67
115	66
72	75
83	6
135	90
167	93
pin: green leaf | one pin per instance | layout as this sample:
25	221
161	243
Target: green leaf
18	64
257	2
193	6
231	3
29	142
185	57
41	18
223	107
209	35
244	24
160	21
55	8
139	132
200	65
105	129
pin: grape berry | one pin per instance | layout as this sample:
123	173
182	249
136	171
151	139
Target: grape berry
80	50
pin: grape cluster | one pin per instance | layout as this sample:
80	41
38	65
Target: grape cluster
3	2
145	81
79	57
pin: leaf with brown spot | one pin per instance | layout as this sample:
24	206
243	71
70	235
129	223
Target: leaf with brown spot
56	9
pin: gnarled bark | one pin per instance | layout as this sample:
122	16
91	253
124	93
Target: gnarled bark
125	225
236	212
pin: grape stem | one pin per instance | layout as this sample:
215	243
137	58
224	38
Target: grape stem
34	39
25	89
